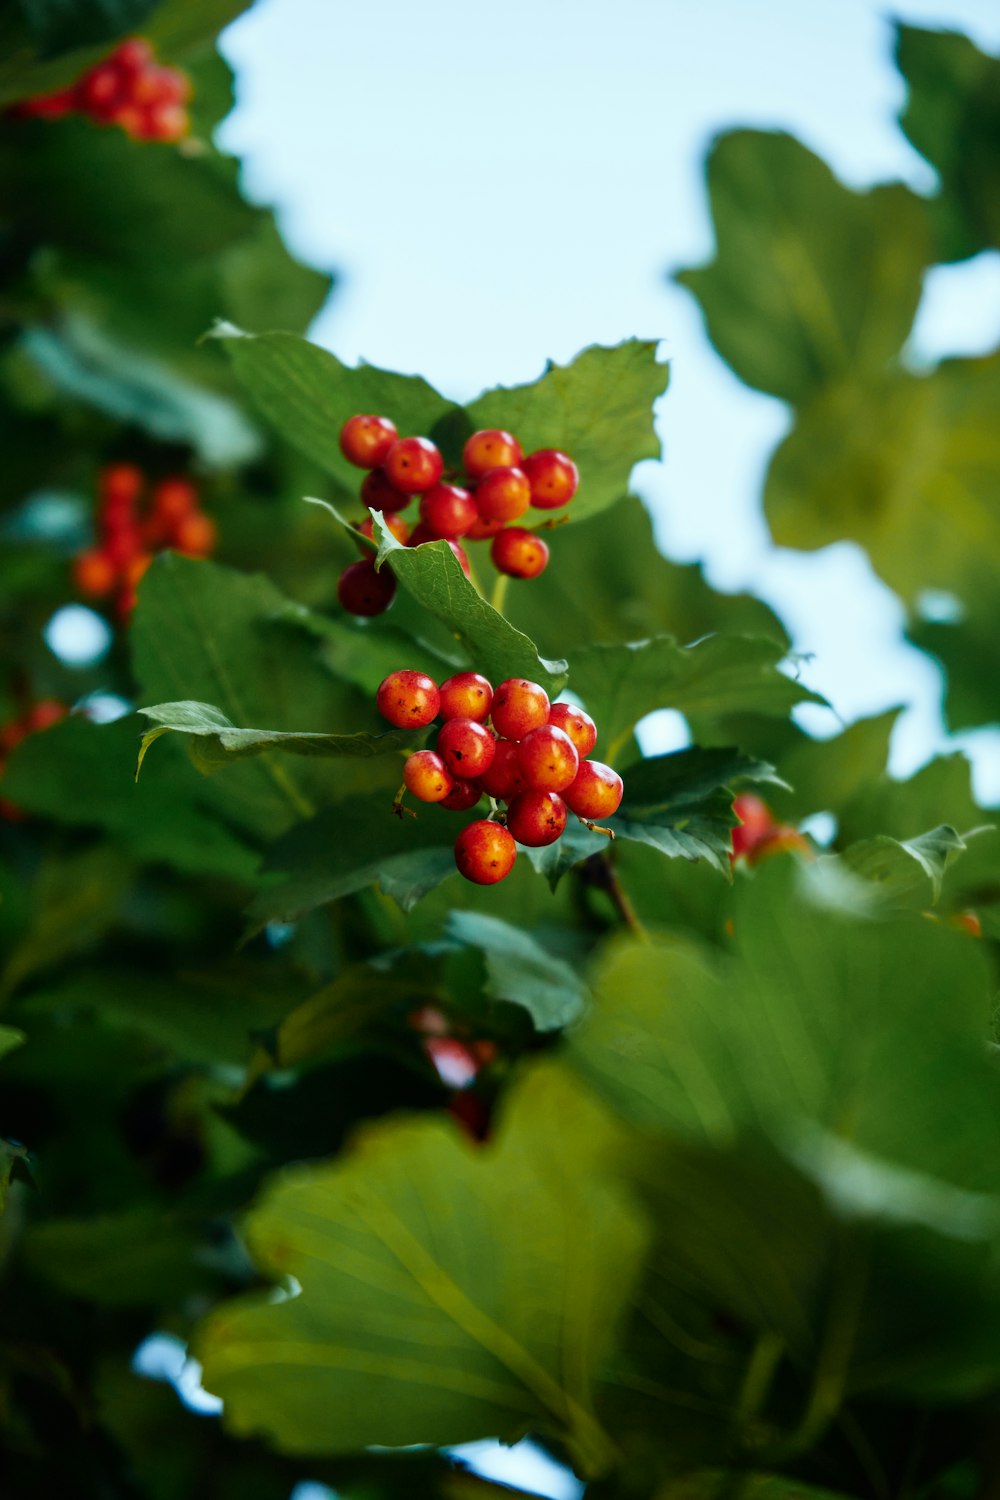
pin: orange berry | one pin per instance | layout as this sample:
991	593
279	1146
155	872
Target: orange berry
195	535
485	852
94	573
492	448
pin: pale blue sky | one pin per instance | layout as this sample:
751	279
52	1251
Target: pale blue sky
501	185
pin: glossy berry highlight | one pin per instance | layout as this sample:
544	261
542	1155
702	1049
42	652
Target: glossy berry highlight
412	465
427	777
553	478
490	448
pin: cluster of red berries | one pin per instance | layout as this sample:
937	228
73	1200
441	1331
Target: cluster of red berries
131	533
500	484
533	758
40	716
129	89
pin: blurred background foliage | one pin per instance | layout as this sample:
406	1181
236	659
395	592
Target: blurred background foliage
736	1228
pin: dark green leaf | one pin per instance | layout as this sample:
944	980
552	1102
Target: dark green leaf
418	1215
718	675
220	742
519	969
952	116
811	283
61	25
308	394
598	409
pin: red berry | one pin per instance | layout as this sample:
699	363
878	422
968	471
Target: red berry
504	779
94	573
518	707
363	591
596	792
548	758
463	795
467	695
174	498
536	817
42	715
461	554
485	852
447	511
195	535
492	448
378	494
481	528
100	92
553	478
427	777
122	543
503	494
399	528
756	822
120	485
466	747
578	725
158	122
48	106
410	700
365	440
519	553
413	464
133	55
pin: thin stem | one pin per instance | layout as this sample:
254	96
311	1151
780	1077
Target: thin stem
607	880
760	1372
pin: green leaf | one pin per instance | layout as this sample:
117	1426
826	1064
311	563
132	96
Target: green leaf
717	1484
682	803
969	651
60	25
867	1028
352	1003
307	394
134	1257
171	817
906	872
598	409
811	283
433	575
220	742
353	845
406	1251
10	1038
952	116
75	900
207	633
716	676
595	591
905	467
518	969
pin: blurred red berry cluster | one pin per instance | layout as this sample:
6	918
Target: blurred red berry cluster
34	719
498	486
131	532
129	88
759	834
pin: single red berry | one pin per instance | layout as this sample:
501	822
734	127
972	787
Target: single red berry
365	440
159	122
596	792
413	464
503	494
466	747
159	85
174	497
485	852
519	553
132	55
408	699
421	534
492	448
120	485
548	758
44	714
472	1112
94	573
101	91
363	591
504	778
553	478
536	818
447	511
399	528
467	695
195	535
518	707
756	823
578	725
378	494
481	529
463	795
427	777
